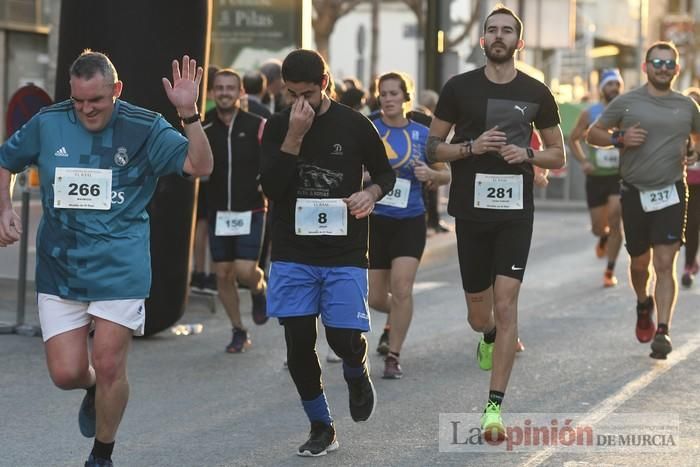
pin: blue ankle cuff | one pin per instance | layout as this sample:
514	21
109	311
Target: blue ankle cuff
317	410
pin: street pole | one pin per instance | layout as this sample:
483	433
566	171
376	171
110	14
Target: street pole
434	43
643	10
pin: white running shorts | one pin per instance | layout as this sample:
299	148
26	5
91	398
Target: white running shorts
58	315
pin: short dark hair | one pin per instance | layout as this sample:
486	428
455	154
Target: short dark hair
305	66
89	63
254	82
501	9
227	72
404	82
663	45
353	98
272	69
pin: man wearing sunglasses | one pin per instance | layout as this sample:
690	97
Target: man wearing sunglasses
651	125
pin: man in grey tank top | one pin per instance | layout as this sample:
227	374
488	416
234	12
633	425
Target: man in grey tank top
651	126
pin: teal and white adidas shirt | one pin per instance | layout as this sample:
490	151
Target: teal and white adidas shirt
93	239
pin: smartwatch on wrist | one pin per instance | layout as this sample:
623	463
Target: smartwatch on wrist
618	138
530	154
188	120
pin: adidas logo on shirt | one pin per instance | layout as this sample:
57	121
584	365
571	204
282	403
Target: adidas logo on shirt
61	152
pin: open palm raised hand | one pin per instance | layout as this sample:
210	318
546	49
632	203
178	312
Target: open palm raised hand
184	90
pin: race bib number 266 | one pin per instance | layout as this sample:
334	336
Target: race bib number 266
82	188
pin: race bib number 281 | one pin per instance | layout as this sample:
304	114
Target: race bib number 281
493	191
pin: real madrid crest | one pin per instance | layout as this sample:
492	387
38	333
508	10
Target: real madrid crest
121	158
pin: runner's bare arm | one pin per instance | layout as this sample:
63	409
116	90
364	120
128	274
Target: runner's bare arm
553	156
577	136
599	135
436	148
10	226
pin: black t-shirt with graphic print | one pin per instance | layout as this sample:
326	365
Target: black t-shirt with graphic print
474	104
336	150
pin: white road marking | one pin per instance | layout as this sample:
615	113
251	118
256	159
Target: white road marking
628	391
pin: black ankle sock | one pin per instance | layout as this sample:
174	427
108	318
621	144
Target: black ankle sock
662	329
102	450
611	265
645	304
496	397
490	337
91	390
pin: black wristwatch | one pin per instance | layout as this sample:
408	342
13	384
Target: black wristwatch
530	154
192	119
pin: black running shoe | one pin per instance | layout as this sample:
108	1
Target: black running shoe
97	462
197	282
87	416
363	397
321	441
383	346
259	307
661	346
240	341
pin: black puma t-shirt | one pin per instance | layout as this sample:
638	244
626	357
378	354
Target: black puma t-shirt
474	104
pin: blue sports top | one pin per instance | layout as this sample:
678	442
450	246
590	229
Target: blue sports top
404	146
90	254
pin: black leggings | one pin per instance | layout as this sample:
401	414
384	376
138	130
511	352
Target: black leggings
692	225
300	334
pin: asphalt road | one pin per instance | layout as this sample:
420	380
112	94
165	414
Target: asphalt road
194	405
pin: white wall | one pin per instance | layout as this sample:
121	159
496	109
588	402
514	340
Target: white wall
396	51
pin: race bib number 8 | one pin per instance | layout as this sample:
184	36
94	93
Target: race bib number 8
498	191
655	200
398	196
82	188
231	223
321	217
607	158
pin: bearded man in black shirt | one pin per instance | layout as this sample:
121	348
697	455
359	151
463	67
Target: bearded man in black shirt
493	110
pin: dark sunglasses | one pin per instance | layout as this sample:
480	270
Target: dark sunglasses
658	63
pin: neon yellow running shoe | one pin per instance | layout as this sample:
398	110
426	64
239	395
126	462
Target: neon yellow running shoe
484	354
492	428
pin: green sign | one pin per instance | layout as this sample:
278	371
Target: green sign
245	33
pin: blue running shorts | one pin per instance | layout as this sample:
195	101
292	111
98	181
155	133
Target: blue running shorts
337	293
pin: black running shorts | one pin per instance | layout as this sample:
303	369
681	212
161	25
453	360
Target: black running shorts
245	247
599	188
488	249
391	238
643	230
